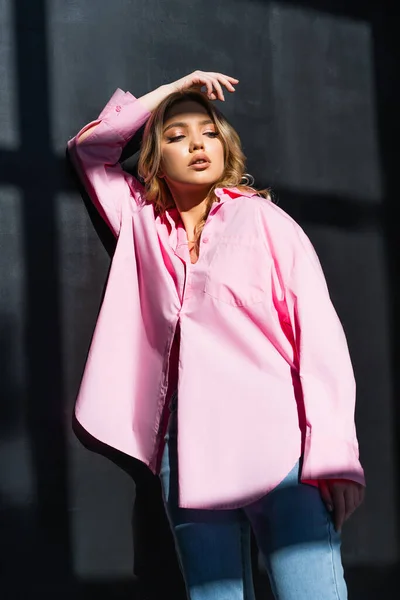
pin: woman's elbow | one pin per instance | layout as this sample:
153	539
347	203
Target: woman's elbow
87	131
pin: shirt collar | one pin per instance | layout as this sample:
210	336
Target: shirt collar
173	217
223	194
232	192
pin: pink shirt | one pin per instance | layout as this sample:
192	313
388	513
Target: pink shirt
264	369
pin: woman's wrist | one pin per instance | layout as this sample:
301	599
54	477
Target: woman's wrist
153	99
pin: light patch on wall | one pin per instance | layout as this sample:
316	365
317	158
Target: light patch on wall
9	135
325	111
12	263
94	49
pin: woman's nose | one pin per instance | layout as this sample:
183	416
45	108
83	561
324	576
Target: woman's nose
196	144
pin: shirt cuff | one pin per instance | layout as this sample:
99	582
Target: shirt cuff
330	458
125	114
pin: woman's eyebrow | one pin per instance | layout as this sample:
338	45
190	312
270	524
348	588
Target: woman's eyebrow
183	124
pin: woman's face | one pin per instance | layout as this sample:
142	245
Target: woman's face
192	152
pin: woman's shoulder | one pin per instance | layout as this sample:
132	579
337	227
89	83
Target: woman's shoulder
271	215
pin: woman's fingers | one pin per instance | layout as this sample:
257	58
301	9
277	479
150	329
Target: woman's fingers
347	497
339	506
227	84
354	493
226	80
325	494
214	88
218	88
213	82
220	80
351	498
208	84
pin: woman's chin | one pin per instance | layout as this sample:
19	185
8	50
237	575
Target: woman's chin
202	178
206	183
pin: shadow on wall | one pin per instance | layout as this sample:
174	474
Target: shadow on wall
155	563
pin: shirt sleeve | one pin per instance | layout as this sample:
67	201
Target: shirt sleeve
96	157
325	369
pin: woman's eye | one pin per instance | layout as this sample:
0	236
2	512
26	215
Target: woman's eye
175	138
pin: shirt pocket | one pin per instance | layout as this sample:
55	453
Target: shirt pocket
237	272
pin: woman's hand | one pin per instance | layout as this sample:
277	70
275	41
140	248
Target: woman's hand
342	497
213	82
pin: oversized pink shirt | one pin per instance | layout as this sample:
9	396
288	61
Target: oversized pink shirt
264	373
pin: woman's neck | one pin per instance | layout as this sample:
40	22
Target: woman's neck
191	218
191	208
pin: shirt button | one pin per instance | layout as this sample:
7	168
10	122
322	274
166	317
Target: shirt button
118	108
205	240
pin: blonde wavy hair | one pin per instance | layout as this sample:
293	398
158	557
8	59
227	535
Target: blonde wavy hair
234	175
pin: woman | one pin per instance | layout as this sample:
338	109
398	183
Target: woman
217	316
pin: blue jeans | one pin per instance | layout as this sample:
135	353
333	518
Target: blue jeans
293	530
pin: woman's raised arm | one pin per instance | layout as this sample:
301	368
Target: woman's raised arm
211	81
96	149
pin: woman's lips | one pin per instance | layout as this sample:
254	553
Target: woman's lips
199	166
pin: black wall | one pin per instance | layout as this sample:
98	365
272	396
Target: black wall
316	108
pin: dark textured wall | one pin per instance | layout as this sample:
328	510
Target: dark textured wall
316	108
